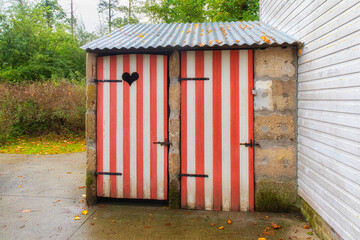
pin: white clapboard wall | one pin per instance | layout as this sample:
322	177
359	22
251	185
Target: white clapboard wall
328	104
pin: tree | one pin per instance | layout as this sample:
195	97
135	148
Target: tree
127	14
233	10
30	50
201	10
169	11
108	7
53	12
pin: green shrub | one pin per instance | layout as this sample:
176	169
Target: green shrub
40	108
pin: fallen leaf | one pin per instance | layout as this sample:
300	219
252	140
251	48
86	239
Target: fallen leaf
92	223
76	217
19	176
212	224
69	173
229	221
310	233
19	186
84	212
168	224
113	221
147	227
84	195
221	228
26	211
306	226
308	237
254	223
261	238
275	226
81	187
187	213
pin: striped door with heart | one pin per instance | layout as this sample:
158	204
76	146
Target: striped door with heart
132	117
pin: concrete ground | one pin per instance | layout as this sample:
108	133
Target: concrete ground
41	195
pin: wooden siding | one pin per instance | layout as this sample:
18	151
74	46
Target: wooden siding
328	104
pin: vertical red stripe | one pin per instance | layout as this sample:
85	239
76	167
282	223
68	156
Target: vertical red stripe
251	128
217	137
139	127
234	130
126	130
99	119
113	126
183	129
199	130
165	128
153	129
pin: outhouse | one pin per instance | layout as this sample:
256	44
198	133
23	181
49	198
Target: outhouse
200	114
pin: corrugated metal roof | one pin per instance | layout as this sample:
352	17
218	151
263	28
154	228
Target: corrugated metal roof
191	35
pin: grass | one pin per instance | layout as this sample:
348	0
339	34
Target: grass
45	145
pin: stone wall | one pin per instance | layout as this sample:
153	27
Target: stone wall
90	128
275	115
174	130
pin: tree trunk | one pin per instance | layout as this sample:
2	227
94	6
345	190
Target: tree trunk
72	18
109	15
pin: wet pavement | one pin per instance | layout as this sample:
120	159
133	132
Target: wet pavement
41	195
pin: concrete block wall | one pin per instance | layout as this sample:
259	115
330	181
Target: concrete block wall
275	114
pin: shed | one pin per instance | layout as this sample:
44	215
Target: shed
200	114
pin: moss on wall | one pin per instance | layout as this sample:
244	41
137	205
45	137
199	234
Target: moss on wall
276	197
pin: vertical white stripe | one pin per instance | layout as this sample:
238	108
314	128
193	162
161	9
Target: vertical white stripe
244	131
225	129
106	127
146	125
191	130
208	130
133	183
119	127
160	125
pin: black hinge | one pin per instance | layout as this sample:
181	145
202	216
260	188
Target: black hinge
165	143
193	175
251	144
109	173
193	79
108	80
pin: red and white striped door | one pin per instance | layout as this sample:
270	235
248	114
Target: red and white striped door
130	118
216	116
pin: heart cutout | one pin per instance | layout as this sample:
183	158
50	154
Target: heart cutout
130	78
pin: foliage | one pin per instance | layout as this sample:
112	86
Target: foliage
44	145
233	10
41	107
202	10
31	50
169	11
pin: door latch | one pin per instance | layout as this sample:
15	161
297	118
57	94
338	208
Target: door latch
251	144
165	143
